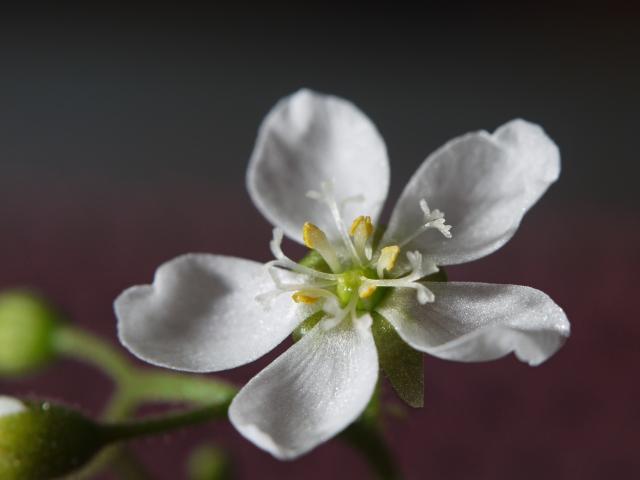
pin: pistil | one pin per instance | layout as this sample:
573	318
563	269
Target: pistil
433	219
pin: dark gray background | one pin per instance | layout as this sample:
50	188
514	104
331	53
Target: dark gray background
88	92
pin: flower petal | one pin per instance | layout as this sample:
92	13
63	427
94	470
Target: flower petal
484	184
10	406
309	138
310	393
201	314
472	322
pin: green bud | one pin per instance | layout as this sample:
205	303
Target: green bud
209	463
27	327
41	440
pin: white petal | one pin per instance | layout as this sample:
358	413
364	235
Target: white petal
484	184
309	138
473	322
201	314
310	393
10	406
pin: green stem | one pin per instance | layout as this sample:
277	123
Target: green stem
173	387
120	406
75	343
365	436
133	385
367	439
118	432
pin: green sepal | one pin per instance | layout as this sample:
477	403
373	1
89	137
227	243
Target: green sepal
306	325
402	365
45	441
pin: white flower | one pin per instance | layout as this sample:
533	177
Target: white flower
10	406
318	162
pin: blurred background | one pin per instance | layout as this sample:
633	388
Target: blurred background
124	137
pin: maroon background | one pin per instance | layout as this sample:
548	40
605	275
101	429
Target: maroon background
125	132
575	416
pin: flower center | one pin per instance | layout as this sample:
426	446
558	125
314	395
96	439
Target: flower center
350	284
350	274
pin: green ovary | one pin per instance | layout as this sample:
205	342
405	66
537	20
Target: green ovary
348	284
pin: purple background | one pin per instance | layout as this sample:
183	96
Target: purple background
123	141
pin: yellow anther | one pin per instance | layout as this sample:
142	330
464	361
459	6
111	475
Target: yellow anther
361	230
365	291
388	256
313	236
387	260
300	297
362	226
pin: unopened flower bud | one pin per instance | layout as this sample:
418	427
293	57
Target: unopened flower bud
27	327
41	440
208	462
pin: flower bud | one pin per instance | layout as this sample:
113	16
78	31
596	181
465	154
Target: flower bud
27	327
41	440
208	462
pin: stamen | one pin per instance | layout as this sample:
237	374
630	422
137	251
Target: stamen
326	196
316	239
361	230
292	287
432	219
408	281
387	259
283	261
368	252
309	290
361	226
300	297
366	290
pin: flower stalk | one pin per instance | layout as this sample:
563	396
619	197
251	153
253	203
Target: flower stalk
118	432
134	385
211	397
367	439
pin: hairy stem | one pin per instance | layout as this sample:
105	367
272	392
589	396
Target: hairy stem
117	432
